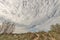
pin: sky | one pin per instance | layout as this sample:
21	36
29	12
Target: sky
30	15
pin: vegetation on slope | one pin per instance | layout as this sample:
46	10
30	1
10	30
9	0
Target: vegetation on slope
53	34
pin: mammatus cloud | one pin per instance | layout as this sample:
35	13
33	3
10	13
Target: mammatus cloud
30	15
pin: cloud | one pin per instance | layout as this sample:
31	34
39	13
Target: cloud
31	15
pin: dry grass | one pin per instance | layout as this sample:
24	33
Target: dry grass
54	34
